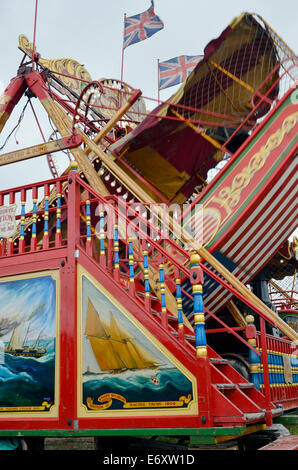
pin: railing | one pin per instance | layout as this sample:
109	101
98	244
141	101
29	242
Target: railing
277	366
38	225
284	300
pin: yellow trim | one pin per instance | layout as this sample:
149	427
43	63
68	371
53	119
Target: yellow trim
229	74
194	127
235	21
249	430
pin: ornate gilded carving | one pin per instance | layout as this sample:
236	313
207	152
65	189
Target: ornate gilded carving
106	104
229	197
62	66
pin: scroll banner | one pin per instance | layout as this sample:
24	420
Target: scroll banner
44	407
107	400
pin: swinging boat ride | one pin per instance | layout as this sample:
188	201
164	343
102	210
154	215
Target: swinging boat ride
204	294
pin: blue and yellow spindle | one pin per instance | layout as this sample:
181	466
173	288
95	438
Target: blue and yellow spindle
196	278
116	254
102	253
180	311
58	236
88	228
280	367
34	219
131	267
45	240
146	281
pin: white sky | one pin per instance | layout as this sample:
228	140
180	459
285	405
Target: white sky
91	32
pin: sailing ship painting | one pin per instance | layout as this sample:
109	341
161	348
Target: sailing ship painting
28	339
17	345
113	347
121	367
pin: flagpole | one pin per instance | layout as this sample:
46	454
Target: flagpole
158	80
122	62
34	34
123	50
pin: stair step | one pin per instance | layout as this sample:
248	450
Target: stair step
218	360
245	385
276	411
226	386
170	317
152	296
254	416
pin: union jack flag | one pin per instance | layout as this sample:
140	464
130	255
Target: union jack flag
176	70
141	26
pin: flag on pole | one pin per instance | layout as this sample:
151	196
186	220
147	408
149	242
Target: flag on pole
176	70
141	26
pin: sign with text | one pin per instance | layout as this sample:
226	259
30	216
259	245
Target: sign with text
7	220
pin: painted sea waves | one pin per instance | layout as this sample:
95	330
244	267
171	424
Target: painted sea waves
27	381
28	344
164	387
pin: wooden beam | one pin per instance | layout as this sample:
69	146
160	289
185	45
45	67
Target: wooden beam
236	314
81	158
10	98
113	121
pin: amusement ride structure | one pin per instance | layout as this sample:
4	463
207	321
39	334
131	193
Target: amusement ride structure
165	294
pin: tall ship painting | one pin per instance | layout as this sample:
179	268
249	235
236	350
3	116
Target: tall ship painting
17	344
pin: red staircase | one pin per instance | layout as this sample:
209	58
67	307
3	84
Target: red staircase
225	397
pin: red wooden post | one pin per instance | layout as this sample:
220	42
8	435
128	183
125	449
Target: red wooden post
58	236
68	338
9	241
203	365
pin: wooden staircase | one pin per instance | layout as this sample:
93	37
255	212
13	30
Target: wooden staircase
233	399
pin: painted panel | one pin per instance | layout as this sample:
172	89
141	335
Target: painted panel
28	334
123	369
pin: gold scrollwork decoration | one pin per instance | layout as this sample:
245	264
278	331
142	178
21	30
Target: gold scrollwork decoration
229	197
105	401
61	66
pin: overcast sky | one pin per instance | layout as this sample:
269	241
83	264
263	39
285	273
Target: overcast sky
91	32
